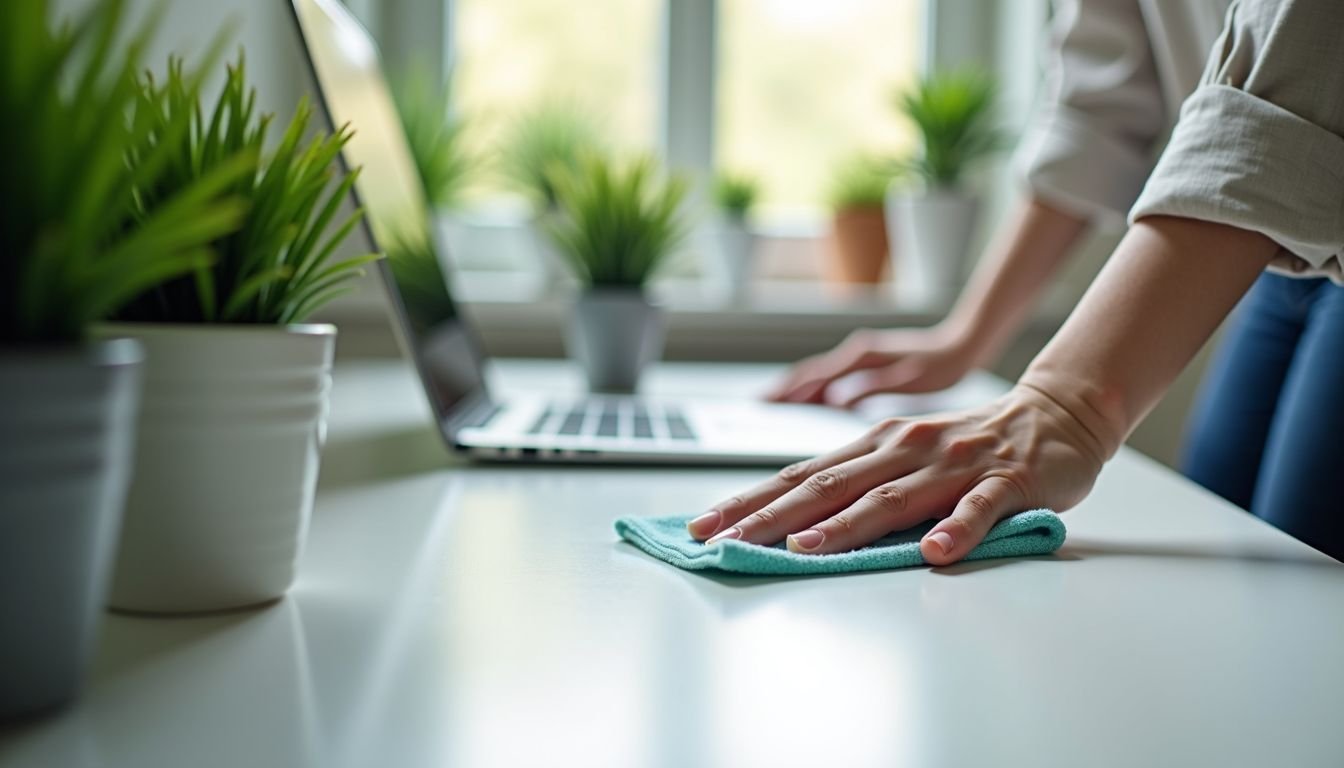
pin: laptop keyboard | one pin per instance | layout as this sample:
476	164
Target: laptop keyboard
620	419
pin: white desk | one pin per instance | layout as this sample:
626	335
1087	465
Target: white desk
458	615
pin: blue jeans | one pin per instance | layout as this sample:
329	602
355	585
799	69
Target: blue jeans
1267	432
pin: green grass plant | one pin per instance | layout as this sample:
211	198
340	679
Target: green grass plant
618	222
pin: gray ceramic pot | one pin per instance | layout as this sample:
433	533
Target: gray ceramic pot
67	420
613	334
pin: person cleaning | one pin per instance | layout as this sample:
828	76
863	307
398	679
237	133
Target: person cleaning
1245	205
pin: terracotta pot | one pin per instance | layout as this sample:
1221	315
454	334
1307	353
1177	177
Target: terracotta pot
858	246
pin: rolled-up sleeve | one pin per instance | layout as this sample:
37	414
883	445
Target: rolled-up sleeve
1260	144
1093	142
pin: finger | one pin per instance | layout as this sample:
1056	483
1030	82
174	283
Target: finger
796	379
807	392
811	381
803	373
896	377
987	503
820	496
729	512
893	506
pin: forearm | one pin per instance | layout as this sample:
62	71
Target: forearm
1011	277
1159	298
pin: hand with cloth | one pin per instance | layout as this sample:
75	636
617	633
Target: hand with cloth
1039	446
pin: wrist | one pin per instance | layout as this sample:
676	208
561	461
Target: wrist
963	335
1097	411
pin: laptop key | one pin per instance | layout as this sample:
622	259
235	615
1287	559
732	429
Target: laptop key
677	426
573	422
643	427
541	422
609	424
484	418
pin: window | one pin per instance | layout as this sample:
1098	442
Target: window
788	89
802	84
509	55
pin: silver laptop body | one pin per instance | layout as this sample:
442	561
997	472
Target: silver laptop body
443	345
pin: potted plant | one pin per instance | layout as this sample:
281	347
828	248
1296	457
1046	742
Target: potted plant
550	138
75	249
235	384
952	113
619	224
435	134
731	264
858	229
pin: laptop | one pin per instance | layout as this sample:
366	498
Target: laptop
441	342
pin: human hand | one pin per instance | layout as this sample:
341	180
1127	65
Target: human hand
969	469
910	361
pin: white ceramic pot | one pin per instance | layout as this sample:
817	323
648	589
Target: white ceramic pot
67	420
231	426
731	258
613	334
450	239
933	233
556	272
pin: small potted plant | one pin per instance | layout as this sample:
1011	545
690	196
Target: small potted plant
435	133
858	229
620	222
731	265
75	249
235	384
549	138
935	219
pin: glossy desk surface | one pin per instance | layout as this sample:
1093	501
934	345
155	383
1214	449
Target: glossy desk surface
450	614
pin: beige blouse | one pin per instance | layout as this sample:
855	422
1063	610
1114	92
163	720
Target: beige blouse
1247	96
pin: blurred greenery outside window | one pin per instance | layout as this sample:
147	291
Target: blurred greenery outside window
804	84
800	85
600	56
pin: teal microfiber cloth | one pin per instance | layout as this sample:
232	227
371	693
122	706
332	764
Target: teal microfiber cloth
1028	533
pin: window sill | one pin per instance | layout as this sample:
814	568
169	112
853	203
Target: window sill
780	320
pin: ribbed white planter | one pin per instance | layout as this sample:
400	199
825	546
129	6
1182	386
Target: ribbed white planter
731	258
227	455
67	420
933	233
613	334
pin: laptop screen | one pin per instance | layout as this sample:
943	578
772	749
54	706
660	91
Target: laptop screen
354	91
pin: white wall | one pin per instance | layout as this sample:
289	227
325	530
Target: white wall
261	26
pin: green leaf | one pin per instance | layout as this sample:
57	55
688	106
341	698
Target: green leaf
552	138
82	137
953	113
617	223
286	234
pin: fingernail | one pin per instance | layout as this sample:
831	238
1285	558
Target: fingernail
807	540
705	524
731	533
942	540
